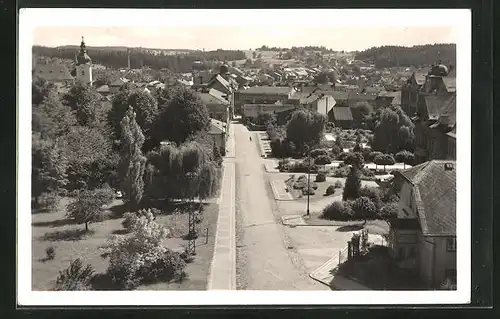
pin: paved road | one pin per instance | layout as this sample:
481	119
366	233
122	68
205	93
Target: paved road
269	264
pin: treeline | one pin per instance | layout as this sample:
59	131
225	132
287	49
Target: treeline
419	55
117	58
296	49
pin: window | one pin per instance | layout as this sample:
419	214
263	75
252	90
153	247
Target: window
451	244
83	72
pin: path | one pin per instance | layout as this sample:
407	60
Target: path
223	268
269	265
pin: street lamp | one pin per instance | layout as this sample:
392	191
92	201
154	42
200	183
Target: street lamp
308	150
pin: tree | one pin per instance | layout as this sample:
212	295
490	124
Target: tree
361	111
325	77
405	157
144	105
86	103
336	150
364	208
217	155
184	117
88	205
389	211
373	155
75	277
384	159
40	90
393	132
352	184
132	162
355	159
51	118
305	128
91	158
49	165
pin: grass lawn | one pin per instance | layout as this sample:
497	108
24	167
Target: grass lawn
71	242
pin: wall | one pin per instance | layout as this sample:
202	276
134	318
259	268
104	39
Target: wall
84	73
433	265
219	140
324	104
252	110
218	111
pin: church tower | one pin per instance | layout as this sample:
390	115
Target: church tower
83	65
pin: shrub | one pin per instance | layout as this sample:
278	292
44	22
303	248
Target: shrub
388	211
330	190
169	266
283	164
302	167
132	254
51	253
364	208
342	156
341	171
48	201
306	191
338	184
319	152
75	277
338	211
352	184
322	160
320	177
131	218
372	193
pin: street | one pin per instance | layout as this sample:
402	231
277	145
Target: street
270	265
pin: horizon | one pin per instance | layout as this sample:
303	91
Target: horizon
348	39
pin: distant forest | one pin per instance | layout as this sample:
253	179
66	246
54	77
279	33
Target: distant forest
419	55
117	57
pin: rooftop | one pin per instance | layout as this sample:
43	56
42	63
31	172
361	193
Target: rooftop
53	72
435	196
342	113
278	90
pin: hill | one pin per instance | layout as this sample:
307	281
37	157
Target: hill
419	55
178	61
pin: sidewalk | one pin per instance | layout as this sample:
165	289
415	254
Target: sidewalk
325	275
223	269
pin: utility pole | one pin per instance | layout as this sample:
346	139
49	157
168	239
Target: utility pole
308	178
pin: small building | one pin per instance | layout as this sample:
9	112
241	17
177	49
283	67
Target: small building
218	133
261	95
103	90
423	236
54	73
341	116
117	84
217	104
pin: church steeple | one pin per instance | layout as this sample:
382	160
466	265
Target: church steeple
82	57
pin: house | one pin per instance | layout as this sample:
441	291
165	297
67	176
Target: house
410	91
104	90
423	236
54	73
318	102
355	97
116	85
218	133
261	95
391	98
217	104
341	116
252	111
435	125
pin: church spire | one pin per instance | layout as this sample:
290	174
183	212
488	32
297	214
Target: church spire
83	47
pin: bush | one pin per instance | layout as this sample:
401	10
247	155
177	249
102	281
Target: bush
131	218
131	256
338	184
48	201
167	267
319	152
322	160
320	177
341	171
373	193
364	208
330	190
301	167
388	211
75	277
51	253
338	211
306	191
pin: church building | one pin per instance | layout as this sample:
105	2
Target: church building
83	65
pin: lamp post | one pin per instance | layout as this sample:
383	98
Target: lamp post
308	178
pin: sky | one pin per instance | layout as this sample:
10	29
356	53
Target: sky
347	38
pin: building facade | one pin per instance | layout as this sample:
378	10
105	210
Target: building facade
422	238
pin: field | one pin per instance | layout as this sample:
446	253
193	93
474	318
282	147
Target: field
70	242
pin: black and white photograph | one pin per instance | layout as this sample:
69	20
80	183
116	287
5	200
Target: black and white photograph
244	156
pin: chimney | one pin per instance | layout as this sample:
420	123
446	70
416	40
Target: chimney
128	58
448	166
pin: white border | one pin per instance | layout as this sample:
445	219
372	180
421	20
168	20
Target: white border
460	19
